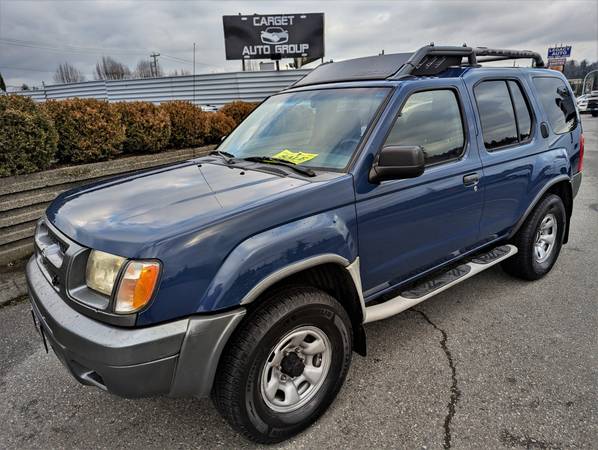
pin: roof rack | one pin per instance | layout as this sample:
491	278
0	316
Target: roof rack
429	60
432	60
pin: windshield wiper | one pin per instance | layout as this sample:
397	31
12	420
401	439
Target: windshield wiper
281	162
228	157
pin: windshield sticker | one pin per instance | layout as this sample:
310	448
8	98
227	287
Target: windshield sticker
295	157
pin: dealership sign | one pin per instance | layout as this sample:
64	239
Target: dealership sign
274	36
559	52
556	62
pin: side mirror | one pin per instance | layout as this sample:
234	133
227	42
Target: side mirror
396	162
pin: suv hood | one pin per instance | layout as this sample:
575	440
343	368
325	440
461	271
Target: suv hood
126	214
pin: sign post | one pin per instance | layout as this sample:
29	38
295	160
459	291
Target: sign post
274	36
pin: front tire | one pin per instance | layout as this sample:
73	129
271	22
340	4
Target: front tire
539	240
284	365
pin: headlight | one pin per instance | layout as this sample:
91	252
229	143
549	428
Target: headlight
102	270
136	285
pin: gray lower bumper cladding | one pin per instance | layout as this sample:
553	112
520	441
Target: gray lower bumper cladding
176	359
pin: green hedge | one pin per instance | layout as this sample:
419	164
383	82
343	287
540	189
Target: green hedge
188	124
238	110
88	129
27	137
219	124
34	137
147	127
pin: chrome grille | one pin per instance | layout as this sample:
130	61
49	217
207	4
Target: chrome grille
63	262
51	250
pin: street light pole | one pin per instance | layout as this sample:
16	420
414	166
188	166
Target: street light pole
194	73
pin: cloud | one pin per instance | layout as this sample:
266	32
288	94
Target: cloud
80	32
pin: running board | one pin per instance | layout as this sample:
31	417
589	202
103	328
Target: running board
432	286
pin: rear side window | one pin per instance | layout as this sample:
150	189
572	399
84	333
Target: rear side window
432	120
524	118
558	103
504	113
496	114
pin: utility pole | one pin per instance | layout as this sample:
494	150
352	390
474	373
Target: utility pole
194	73
154	56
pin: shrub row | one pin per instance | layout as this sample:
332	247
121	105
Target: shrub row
34	137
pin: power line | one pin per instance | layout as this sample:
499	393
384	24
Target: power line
90	50
69	48
26	69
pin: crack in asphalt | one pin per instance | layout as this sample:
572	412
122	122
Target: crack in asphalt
455	392
511	440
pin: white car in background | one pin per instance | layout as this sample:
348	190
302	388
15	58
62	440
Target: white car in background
588	103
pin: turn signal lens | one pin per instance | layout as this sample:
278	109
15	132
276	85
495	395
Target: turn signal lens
136	286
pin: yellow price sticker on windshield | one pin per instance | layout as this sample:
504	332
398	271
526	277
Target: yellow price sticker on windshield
295	157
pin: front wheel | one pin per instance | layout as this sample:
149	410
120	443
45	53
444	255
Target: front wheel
539	240
284	365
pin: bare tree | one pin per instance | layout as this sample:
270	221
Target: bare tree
144	69
110	69
67	73
179	73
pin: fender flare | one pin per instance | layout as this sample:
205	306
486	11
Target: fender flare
351	267
533	204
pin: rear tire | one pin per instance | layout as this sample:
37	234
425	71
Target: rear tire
539	240
284	365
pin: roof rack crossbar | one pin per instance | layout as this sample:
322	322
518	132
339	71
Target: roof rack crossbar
494	54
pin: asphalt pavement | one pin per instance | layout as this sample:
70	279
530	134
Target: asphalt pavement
491	363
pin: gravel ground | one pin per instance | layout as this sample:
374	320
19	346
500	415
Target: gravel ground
493	362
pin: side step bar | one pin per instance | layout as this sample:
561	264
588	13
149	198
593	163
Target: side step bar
432	286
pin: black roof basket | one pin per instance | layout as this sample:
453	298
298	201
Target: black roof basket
432	60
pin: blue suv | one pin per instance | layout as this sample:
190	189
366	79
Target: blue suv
368	186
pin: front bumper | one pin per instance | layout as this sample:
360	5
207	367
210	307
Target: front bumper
176	359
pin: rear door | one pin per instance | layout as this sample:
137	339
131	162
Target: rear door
507	141
412	225
518	161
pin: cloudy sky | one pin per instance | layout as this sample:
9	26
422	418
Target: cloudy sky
37	35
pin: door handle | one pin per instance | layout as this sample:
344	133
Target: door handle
471	179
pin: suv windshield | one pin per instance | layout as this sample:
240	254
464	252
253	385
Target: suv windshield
314	128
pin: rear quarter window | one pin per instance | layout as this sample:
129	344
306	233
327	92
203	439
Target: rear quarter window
558	103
